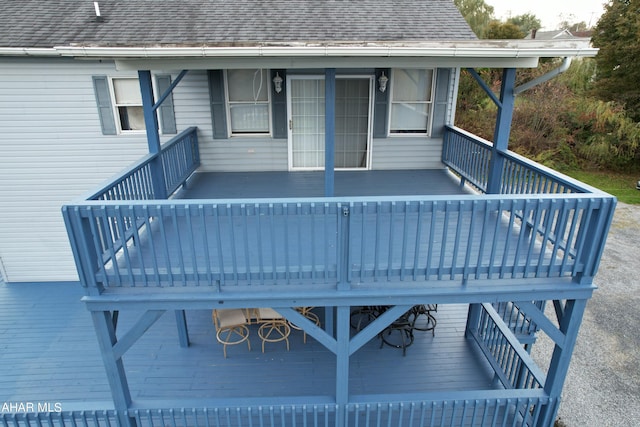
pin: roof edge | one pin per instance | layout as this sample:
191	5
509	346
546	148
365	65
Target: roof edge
467	49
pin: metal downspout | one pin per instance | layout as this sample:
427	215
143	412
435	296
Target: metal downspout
566	62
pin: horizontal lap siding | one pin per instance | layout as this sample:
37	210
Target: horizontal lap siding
236	154
52	151
407	153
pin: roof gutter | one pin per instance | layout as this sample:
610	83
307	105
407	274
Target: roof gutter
28	51
465	51
566	62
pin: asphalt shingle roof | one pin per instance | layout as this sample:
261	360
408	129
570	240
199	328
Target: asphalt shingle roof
47	23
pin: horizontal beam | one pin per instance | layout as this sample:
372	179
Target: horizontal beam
274	296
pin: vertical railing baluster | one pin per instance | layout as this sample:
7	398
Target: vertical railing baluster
152	245
178	244
244	214
258	210
191	236
165	242
378	240
314	241
205	244
392	213
363	240
457	238
405	239
272	238
228	209
432	239
443	247
418	240
287	249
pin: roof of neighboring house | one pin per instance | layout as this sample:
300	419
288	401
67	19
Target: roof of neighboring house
180	23
557	35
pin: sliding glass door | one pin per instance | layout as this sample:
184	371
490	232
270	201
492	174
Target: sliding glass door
307	117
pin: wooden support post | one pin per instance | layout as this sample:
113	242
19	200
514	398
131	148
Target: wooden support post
329	130
342	363
153	136
502	130
183	332
473	319
329	323
559	366
106	334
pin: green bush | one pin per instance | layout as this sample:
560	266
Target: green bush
556	123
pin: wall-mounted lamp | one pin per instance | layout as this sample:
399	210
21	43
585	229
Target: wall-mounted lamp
382	82
277	83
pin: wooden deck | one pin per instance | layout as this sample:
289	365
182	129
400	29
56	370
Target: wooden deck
49	353
233	185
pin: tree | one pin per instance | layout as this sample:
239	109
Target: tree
477	13
526	22
618	61
503	30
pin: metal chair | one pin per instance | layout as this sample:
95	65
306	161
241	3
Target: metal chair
313	317
399	333
273	327
422	318
231	327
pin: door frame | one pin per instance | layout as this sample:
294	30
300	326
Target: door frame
370	78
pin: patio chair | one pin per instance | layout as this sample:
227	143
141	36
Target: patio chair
231	328
306	312
422	318
273	327
399	333
362	316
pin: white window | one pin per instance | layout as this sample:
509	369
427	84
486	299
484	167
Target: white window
411	101
128	104
248	101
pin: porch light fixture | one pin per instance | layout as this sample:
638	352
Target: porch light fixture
382	82
277	83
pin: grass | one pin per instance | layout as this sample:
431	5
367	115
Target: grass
621	185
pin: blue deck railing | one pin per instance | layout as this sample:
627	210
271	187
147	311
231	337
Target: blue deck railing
524	408
180	157
470	157
545	226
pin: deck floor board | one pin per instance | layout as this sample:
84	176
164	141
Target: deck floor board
50	353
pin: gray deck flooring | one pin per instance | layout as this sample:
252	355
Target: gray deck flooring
223	185
49	353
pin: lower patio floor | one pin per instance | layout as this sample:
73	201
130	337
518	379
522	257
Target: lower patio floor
49	353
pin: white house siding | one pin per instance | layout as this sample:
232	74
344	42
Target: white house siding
191	99
51	151
407	153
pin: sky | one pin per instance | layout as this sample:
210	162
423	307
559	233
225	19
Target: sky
551	12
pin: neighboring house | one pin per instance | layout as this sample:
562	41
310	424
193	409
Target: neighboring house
558	35
323	117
